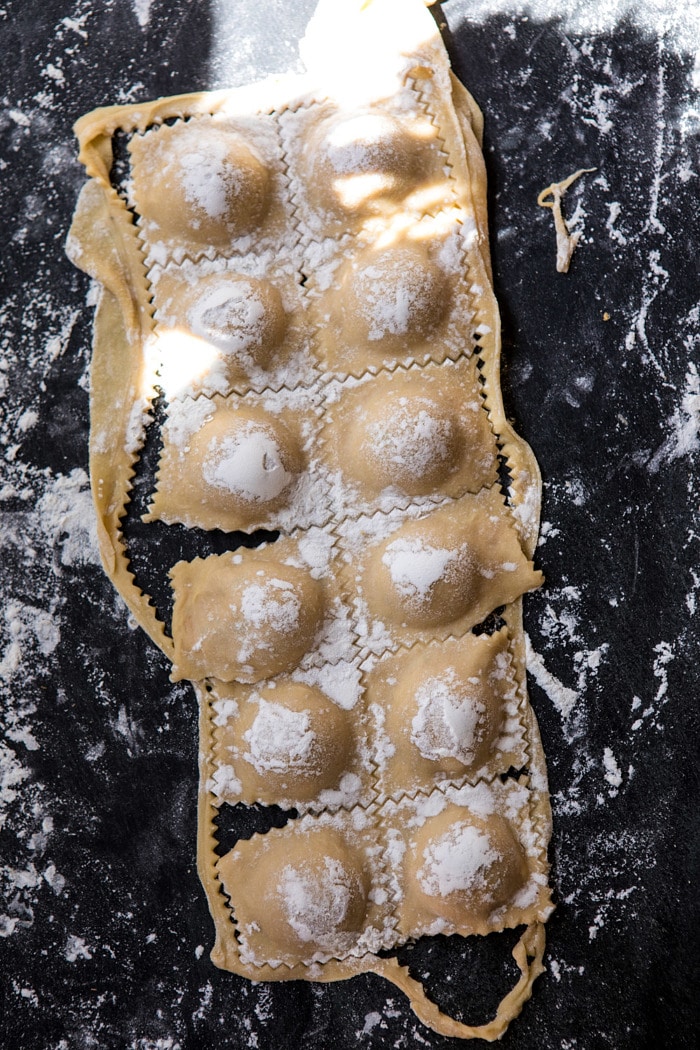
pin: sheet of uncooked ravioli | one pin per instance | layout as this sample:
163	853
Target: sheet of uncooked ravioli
296	282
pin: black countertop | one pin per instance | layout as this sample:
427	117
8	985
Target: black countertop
105	928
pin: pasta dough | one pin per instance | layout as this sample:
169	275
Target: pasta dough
296	275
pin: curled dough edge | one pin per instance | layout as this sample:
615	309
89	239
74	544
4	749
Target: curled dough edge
528	954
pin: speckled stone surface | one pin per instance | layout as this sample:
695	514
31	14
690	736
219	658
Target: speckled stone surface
105	930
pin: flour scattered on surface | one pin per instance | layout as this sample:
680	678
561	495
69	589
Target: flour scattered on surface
77	948
684	426
12	774
563	697
371	1021
142	10
679	24
612	771
29	627
67	515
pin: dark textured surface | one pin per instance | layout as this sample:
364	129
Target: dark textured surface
106	930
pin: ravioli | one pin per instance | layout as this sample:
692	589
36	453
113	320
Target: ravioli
296	295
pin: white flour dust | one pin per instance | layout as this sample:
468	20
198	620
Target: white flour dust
142	10
684	425
677	23
564	630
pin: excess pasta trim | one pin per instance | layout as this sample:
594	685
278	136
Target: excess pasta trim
296	292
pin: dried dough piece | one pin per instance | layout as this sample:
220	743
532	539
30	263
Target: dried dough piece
566	242
326	351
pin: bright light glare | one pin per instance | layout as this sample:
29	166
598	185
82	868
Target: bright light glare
181	362
402	226
354	190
